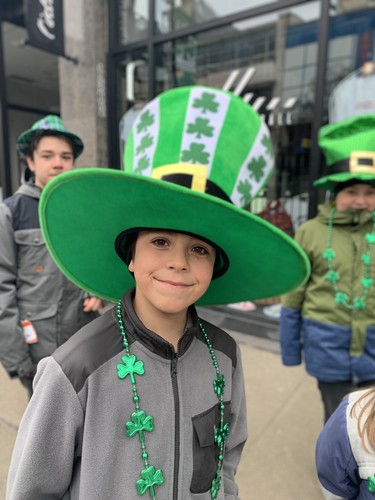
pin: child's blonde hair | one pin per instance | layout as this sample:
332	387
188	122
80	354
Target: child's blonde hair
367	413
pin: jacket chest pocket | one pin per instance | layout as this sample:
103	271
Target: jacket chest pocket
32	254
205	451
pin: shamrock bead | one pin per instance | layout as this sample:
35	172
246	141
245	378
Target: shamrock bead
341	298
366	259
370	237
367	282
371	484
329	254
332	276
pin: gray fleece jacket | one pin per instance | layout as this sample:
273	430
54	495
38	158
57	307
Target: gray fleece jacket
32	288
72	441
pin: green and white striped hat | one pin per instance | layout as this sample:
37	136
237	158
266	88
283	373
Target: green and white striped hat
207	127
194	157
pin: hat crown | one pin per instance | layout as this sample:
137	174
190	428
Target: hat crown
339	140
191	130
55	126
349	150
50	122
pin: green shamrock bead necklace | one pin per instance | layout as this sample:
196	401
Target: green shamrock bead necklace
333	276
142	423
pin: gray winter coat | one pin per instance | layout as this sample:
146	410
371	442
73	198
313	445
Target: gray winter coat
32	288
72	441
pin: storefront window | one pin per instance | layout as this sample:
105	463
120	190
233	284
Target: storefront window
133	20
176	14
350	79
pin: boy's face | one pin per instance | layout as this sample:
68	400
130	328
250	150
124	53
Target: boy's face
356	197
171	270
52	157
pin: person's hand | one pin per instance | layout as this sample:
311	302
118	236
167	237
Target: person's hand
92	304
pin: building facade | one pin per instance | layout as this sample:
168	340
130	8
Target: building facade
300	64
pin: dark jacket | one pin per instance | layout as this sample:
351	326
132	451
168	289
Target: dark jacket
343	465
32	288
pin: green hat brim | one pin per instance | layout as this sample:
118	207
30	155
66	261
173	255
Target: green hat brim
24	140
328	182
83	211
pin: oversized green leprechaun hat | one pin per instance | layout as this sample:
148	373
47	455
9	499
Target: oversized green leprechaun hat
198	129
194	156
349	149
54	125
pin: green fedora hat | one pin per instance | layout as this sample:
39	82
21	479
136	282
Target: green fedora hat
194	157
349	150
54	125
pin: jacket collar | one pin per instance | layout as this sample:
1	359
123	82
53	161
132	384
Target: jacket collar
136	330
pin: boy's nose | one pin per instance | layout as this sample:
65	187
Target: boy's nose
178	260
361	201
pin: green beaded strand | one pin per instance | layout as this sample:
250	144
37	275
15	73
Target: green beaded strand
333	276
140	421
222	432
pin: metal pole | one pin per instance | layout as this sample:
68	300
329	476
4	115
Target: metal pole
5	167
315	154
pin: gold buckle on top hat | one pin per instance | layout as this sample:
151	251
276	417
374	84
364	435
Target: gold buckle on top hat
362	162
197	174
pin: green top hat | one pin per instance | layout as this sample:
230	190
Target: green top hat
54	125
194	156
349	149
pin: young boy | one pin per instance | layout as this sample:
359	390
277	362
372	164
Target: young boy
331	318
149	399
39	308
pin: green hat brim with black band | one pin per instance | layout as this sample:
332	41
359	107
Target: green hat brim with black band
49	125
82	212
349	149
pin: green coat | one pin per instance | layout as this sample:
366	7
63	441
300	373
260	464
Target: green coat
329	328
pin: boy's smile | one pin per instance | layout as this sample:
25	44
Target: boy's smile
172	271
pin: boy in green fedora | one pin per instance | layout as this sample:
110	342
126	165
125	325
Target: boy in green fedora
149	399
335	307
39	308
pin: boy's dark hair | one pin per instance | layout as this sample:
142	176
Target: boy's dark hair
125	247
39	134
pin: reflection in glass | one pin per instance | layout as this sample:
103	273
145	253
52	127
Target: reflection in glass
133	20
132	85
176	14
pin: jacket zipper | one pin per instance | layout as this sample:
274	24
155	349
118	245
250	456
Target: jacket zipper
177	427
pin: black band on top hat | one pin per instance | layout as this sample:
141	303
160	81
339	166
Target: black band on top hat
343	166
184	179
125	241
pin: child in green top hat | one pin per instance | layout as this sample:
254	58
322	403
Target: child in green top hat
149	399
335	308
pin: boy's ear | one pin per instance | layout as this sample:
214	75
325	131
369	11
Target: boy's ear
30	163
131	266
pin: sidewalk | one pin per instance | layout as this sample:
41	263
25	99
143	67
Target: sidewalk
284	419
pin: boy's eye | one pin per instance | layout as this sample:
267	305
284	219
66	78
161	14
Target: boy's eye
200	250
159	242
